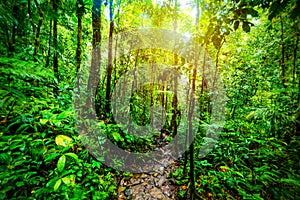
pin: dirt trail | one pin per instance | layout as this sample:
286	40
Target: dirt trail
152	186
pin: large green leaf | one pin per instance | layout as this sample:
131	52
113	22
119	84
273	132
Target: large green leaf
61	163
57	184
73	155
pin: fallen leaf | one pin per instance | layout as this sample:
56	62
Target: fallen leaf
184	187
121	189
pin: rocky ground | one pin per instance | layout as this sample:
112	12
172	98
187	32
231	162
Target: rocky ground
152	186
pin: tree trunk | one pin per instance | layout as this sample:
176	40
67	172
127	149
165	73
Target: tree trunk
282	52
109	61
217	61
297	129
55	55
79	13
133	85
49	44
96	57
295	56
38	30
115	58
192	105
30	16
14	29
175	97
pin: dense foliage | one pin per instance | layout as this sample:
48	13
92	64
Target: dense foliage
254	48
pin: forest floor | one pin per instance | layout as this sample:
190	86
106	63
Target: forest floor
149	186
152	185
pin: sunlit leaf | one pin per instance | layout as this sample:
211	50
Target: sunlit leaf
57	184
61	163
63	140
66	180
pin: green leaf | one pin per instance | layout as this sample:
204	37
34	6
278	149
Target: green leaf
63	140
65	114
51	156
240	174
57	184
117	137
61	163
43	121
23	128
291	181
5	158
66	180
73	155
20	183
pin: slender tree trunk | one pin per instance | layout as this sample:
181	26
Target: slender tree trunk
9	43
116	47
35	29
282	52
298	101
115	58
192	105
187	138
30	16
134	83
175	97
38	30
295	56
13	30
55	44
79	12
109	61
115	72
217	61
49	44
96	56
93	80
